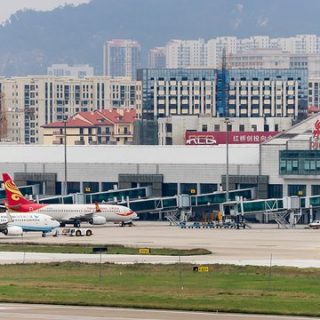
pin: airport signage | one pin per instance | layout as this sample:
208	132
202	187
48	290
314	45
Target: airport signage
144	251
216	138
316	135
201	269
99	249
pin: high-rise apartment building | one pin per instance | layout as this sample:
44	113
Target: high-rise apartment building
198	53
65	70
178	92
157	58
186	54
259	59
267	92
121	58
245	93
31	102
314	93
275	59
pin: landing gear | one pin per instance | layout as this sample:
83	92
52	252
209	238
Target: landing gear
44	234
76	224
124	224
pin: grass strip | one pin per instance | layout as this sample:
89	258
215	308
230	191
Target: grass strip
87	248
225	288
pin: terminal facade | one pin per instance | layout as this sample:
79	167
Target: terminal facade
286	165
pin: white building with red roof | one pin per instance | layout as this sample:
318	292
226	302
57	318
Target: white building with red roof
107	126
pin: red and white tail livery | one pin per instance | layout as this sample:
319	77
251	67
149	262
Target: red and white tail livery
94	213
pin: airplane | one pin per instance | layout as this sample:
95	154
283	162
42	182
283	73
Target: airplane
15	224
95	214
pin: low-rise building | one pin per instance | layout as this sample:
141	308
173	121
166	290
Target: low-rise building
172	130
107	126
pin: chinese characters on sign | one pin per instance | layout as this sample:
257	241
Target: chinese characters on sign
216	138
316	135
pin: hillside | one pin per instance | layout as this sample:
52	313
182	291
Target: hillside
32	40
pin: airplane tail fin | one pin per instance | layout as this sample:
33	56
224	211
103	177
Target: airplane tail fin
13	194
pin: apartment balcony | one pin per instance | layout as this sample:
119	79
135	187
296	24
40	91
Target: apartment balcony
56	142
57	133
123	135
254	110
79	142
105	134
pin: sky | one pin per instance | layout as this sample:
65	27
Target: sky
9	7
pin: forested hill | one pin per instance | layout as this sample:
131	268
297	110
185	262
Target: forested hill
32	40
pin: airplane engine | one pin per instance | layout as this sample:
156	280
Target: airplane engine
98	220
13	231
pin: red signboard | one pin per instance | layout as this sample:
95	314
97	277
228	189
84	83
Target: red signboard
215	138
316	135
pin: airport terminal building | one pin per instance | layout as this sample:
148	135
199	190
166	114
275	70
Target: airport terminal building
288	164
170	170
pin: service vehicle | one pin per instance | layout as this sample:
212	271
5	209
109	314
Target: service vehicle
77	232
315	224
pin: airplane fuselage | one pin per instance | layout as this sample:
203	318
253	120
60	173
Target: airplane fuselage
67	212
30	222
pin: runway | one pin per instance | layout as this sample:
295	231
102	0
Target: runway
48	312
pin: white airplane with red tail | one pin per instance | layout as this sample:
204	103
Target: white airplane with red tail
95	214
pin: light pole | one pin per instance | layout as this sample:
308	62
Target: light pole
227	123
65	187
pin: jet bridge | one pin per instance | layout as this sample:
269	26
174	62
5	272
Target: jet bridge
286	211
111	196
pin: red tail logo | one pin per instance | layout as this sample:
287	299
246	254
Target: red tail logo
14	196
